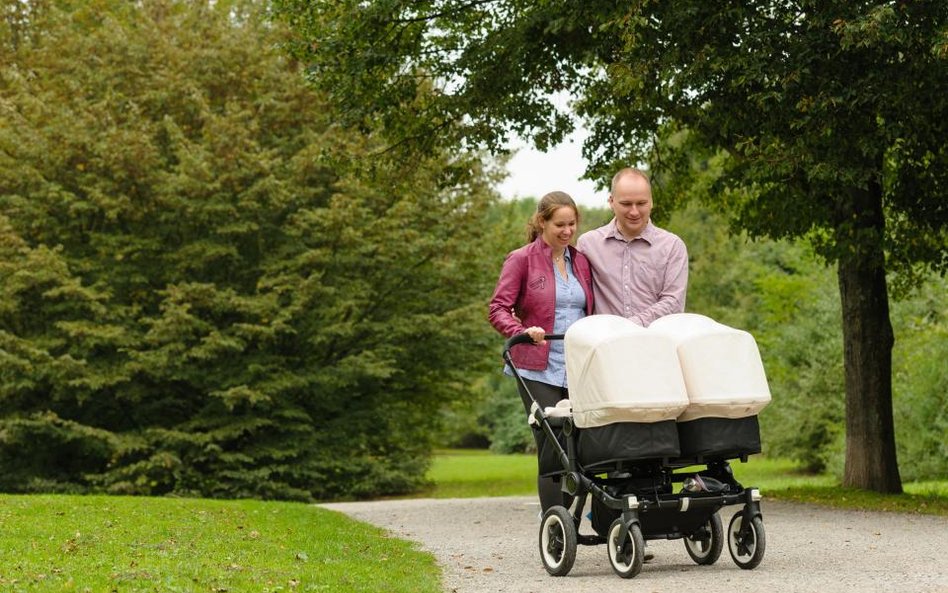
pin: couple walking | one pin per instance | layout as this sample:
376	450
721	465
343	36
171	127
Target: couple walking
629	267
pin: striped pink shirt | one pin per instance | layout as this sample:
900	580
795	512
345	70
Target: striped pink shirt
642	279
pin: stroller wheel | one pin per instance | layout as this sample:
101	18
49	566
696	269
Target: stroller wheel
626	559
705	544
746	545
557	541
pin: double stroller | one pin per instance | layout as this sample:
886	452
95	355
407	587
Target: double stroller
654	417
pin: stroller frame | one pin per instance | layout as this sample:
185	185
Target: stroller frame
638	493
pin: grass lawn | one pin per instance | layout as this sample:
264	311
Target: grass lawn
98	543
468	473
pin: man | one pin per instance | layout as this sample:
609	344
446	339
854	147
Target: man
639	270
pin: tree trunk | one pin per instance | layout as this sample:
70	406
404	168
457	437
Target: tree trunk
867	347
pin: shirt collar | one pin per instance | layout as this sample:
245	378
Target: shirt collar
647	234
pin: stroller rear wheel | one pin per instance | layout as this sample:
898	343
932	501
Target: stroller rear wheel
626	559
705	544
558	541
746	546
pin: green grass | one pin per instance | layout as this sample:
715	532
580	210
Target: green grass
97	543
465	473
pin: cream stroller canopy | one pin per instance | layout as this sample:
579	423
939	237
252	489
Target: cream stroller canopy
721	366
684	366
621	372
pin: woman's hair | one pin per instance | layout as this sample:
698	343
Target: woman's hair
547	205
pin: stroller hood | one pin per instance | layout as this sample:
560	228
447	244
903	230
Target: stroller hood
721	366
621	372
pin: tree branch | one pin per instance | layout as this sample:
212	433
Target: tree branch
443	13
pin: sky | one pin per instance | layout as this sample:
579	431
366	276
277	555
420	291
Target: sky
533	174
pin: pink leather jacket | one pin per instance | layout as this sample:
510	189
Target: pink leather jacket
527	286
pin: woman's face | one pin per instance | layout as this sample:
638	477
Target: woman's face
558	232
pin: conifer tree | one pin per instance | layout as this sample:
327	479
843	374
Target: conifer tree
198	295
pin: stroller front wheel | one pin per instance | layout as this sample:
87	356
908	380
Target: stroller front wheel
746	545
558	541
626	559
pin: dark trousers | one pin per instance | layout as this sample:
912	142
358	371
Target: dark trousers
546	395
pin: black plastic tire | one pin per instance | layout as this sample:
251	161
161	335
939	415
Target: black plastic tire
626	562
748	551
705	545
557	541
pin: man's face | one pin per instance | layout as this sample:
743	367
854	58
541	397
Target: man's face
631	202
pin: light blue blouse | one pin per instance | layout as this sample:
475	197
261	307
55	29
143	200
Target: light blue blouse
570	306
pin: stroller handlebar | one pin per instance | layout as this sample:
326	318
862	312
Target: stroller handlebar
525	338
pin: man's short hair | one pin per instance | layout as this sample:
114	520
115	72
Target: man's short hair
628	171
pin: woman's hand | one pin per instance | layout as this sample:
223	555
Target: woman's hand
537	333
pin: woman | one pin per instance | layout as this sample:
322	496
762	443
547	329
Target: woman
543	288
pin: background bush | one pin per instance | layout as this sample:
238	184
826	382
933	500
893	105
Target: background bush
206	286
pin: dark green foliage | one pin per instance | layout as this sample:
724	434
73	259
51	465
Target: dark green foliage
504	415
490	63
197	296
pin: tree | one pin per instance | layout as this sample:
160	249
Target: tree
197	295
831	117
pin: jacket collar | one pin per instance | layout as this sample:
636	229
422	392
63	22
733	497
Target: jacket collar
540	245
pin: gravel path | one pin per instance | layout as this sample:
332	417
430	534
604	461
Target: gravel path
490	545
